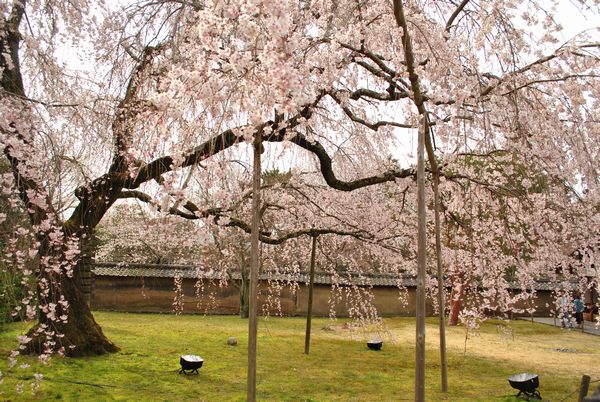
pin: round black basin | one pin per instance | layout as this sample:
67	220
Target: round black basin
526	383
375	344
190	363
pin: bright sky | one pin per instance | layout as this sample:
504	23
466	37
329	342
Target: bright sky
575	21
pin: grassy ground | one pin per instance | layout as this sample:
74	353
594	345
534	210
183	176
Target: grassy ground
339	368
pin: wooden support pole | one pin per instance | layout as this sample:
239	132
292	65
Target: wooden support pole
254	267
424	142
441	286
311	282
421	269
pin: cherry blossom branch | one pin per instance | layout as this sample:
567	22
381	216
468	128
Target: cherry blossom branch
303	232
485	155
38	204
402	93
316	205
194	211
227	139
265	236
214	145
128	108
414	81
195	4
369	93
542	60
380	63
493	188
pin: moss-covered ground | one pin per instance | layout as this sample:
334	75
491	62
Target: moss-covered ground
339	368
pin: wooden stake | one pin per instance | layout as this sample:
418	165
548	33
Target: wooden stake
254	267
584	387
441	286
421	269
424	142
310	295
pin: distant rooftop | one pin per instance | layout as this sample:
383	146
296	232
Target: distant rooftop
190	271
321	277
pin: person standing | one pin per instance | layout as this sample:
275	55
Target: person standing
564	310
578	308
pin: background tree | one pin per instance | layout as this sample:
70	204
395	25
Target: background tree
513	226
136	234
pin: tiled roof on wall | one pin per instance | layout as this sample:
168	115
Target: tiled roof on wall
323	278
189	271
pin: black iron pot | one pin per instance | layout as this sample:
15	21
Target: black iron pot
375	344
190	363
526	383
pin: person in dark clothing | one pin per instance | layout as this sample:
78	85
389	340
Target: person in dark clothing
578	308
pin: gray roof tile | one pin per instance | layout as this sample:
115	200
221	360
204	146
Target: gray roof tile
324	278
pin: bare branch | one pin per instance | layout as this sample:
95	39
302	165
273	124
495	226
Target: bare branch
356	119
369	93
39	102
326	165
558	79
458	10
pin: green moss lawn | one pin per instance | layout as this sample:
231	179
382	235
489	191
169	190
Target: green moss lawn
339	368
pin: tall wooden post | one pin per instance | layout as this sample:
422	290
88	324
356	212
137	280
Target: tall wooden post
254	267
421	270
441	286
419	100
311	282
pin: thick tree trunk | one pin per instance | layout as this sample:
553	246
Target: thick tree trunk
82	336
456	296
